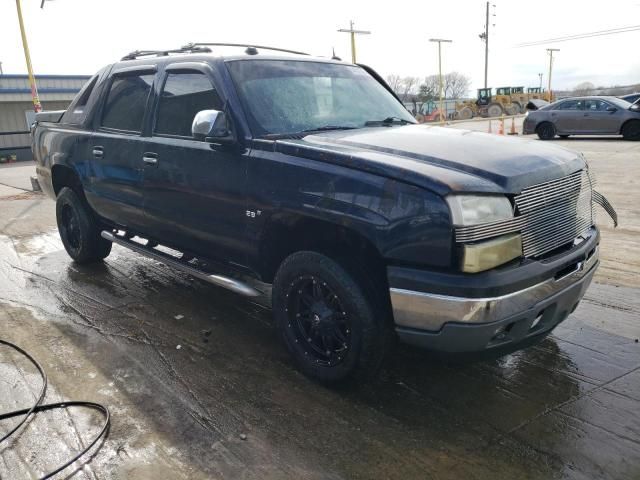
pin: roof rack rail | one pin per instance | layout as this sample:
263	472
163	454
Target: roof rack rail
191	48
251	49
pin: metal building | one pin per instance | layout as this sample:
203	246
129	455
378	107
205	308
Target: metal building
16	108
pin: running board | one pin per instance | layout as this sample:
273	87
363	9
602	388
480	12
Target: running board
219	280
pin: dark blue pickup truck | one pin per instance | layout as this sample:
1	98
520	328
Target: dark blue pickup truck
308	175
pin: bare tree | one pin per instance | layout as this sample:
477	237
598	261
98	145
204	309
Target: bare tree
394	81
584	88
429	89
456	85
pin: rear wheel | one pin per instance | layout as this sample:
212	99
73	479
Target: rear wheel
546	131
329	320
631	130
78	229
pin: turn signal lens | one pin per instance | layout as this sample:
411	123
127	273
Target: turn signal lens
481	256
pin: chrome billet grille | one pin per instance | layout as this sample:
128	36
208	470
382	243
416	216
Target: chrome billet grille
556	212
473	233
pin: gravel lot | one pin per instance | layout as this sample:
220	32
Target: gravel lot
199	386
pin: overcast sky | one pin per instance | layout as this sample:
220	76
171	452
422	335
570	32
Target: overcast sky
80	36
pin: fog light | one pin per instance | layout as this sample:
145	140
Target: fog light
481	256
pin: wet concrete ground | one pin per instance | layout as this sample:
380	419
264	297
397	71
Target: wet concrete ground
199	386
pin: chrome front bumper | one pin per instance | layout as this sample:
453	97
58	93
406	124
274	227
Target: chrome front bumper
430	312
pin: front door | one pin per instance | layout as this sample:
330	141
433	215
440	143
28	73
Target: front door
115	184
194	190
600	120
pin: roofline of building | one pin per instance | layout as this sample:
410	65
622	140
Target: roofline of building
46	76
40	90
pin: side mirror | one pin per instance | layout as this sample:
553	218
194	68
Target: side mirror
612	109
211	126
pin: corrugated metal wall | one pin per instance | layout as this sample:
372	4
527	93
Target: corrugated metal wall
12	118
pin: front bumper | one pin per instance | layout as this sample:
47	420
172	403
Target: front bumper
458	324
528	126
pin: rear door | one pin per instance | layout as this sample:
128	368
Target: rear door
600	120
568	116
116	148
194	190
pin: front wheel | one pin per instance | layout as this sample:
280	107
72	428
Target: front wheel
546	131
78	229
631	130
329	320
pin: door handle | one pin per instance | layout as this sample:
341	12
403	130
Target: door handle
150	158
98	152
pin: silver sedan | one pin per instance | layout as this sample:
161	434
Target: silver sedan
585	116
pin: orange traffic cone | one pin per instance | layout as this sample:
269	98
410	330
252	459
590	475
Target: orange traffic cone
501	129
513	127
489	131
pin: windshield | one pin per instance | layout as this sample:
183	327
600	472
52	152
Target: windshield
289	96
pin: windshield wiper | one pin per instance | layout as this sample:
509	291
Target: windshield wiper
387	122
327	127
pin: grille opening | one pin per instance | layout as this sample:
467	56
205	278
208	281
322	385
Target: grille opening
569	269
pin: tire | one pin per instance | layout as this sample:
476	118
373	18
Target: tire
495	110
631	130
78	229
329	319
465	113
546	131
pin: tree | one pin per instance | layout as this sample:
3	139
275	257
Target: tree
584	88
456	85
394	82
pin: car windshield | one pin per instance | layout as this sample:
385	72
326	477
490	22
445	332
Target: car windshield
288	96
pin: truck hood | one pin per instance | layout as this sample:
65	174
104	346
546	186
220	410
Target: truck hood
441	159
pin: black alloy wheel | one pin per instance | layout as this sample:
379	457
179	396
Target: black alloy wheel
546	131
318	321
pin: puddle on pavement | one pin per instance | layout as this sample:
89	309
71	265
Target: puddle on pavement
115	328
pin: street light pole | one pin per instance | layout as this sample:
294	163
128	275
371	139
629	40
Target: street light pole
440	41
551	50
32	80
353	34
540	75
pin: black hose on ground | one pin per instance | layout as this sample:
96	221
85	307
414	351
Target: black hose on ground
37	407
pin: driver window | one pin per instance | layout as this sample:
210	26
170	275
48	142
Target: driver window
184	95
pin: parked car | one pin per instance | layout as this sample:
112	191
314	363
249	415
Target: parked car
585	116
308	175
631	98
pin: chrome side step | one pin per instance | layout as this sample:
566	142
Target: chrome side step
219	280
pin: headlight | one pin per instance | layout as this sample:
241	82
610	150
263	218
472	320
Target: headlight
476	209
481	256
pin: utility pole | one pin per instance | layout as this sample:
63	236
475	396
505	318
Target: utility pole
551	50
540	75
32	80
353	33
440	41
485	38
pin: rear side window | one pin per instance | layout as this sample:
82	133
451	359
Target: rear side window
77	111
126	102
184	95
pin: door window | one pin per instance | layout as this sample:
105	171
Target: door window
596	105
571	105
183	96
126	102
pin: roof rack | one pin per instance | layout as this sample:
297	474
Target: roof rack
191	48
251	49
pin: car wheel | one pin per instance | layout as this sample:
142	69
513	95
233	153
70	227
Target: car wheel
330	321
546	131
631	130
563	136
78	229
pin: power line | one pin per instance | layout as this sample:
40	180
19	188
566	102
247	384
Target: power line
579	36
